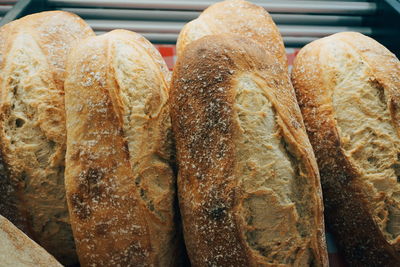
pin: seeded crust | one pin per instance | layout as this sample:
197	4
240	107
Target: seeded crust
32	127
119	181
348	88
248	183
235	17
19	250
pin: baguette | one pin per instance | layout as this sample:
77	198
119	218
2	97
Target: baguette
348	88
119	181
32	127
19	250
248	183
235	17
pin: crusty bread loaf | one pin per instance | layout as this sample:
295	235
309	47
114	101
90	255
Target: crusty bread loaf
17	249
235	17
32	126
248	182
119	182
348	87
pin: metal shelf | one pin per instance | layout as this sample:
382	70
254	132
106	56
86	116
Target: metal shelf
299	21
4	9
175	27
186	16
273	6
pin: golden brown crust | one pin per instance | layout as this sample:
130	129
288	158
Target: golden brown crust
380	60
208	137
348	207
235	17
19	250
33	51
119	182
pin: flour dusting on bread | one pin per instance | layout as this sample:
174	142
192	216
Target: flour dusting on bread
32	126
348	89
248	188
119	179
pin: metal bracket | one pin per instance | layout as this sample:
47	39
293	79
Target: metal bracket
387	25
22	8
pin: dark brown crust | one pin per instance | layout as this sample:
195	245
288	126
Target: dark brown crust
113	216
217	212
346	209
205	130
87	187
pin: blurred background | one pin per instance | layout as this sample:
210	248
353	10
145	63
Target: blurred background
299	21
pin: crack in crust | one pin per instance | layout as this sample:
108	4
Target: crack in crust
214	178
33	51
119	181
346	86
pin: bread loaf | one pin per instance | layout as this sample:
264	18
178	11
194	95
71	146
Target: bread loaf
32	126
235	17
348	88
248	182
19	250
119	182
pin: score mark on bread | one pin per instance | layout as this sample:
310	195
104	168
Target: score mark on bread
248	186
119	181
33	51
348	88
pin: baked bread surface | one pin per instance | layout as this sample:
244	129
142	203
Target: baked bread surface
19	250
235	17
119	181
33	51
248	183
348	88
